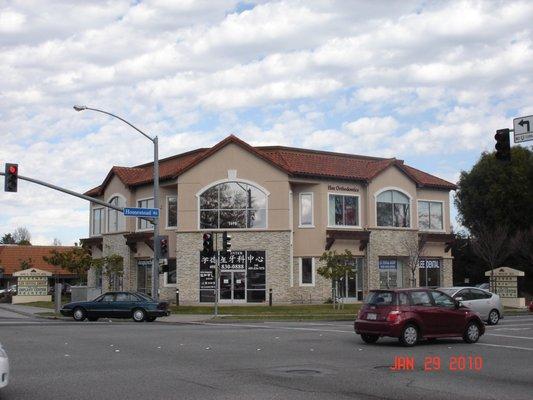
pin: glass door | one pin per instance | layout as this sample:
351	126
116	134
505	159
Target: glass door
232	286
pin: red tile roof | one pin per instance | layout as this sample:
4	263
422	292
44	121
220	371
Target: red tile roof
12	255
293	161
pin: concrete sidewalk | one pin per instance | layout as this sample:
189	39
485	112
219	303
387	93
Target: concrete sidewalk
21	309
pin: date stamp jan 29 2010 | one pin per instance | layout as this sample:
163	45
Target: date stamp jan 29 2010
438	363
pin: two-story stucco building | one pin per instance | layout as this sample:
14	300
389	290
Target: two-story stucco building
283	207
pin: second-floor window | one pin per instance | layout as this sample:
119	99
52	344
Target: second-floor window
116	221
343	210
392	208
142	223
233	205
306	209
430	215
97	221
172	211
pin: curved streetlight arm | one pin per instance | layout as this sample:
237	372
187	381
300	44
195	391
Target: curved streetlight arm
81	108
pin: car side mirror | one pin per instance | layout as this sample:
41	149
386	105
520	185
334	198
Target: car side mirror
457	304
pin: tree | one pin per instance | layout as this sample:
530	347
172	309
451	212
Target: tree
111	266
26	264
56	242
77	260
8	239
496	193
414	247
22	236
522	244
491	245
336	266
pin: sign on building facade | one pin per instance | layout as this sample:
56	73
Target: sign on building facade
32	285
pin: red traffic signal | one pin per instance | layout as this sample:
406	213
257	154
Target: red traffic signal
11	177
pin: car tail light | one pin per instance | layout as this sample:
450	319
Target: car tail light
393	316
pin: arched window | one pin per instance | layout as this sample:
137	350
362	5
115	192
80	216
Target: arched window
233	205
116	221
392	208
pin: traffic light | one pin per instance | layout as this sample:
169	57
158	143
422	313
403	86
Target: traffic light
163	246
11	177
208	244
503	145
226	242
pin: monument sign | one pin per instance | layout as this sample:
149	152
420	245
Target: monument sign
504	283
32	285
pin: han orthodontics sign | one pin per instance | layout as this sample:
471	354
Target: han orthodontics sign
343	188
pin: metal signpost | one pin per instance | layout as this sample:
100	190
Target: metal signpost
523	131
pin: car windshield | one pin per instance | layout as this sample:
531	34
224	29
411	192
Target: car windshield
144	296
448	291
380	298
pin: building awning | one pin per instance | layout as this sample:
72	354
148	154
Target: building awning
139	237
334	234
446	238
92	241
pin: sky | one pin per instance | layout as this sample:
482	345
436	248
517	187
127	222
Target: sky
428	82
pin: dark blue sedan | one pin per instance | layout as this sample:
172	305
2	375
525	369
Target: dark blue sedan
138	306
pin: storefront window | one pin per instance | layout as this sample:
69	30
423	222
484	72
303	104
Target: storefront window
430	215
392	208
343	210
429	272
144	276
390	273
351	285
232	205
171	274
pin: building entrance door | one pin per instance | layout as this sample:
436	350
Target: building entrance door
232	286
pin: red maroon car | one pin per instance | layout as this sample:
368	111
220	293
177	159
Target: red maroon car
413	314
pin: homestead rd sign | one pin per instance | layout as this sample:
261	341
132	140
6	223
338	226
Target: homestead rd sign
141	212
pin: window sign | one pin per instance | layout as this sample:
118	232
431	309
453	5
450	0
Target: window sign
429	272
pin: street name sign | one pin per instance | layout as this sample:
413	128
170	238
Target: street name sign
523	129
141	212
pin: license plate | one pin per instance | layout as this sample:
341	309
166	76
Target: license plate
371	316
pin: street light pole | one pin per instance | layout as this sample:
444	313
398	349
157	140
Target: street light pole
155	141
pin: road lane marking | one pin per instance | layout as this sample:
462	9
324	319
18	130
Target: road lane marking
504	346
278	327
509	336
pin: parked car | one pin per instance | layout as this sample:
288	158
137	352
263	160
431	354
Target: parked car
487	304
138	306
4	367
414	314
484	286
531	306
9	290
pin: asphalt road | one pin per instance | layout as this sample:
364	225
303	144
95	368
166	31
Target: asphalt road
308	360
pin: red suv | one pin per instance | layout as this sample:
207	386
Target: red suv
413	314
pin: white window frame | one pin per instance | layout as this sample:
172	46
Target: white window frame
330	225
137	229
256	185
376	194
418	215
312	224
313	271
167	226
103	223
109	210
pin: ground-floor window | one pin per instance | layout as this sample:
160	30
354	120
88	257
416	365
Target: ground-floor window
429	272
170	275
390	273
242	277
351	285
307	273
144	276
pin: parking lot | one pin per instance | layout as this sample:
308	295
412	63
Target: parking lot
307	360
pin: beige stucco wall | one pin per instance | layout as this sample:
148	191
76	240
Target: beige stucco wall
249	167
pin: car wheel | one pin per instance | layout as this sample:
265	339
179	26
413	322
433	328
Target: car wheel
368	338
494	317
92	319
139	315
409	335
471	334
79	314
150	319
